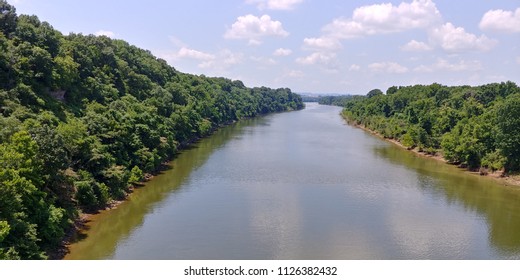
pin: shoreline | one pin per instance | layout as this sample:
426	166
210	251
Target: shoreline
507	180
79	226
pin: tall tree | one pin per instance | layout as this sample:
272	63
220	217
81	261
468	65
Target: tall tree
508	122
8	17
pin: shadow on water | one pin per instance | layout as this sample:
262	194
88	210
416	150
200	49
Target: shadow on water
104	231
499	204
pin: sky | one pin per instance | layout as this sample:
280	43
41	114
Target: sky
327	46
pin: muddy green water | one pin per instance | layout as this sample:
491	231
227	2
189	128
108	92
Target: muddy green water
304	185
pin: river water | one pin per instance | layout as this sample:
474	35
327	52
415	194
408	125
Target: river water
304	185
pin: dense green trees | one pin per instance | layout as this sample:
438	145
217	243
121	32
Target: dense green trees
508	131
83	118
472	126
337	100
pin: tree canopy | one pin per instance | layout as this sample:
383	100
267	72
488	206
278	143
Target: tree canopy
83	118
474	126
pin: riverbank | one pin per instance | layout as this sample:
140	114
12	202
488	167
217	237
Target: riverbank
81	225
510	180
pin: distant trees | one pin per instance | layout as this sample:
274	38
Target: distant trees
337	100
472	126
83	118
374	92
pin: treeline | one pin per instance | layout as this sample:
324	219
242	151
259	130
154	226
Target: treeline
309	98
337	100
83	118
476	127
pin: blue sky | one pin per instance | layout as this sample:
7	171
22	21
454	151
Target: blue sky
331	46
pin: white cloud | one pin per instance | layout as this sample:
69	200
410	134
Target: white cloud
418	14
229	58
193	54
223	60
283	4
389	18
385	18
423	69
253	28
207	64
415	46
264	60
316	58
388	67
456	39
322	43
177	42
461	65
107	33
354	67
500	20
282	52
445	65
219	61
295	74
345	29
275	4
518	60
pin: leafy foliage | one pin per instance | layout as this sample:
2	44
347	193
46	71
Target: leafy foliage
82	118
337	100
472	126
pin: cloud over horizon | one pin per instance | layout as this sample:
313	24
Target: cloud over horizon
501	21
253	29
350	46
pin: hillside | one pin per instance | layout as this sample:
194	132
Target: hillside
83	118
477	127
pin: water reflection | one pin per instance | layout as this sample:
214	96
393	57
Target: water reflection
108	228
498	206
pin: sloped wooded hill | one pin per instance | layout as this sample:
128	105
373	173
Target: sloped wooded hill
82	118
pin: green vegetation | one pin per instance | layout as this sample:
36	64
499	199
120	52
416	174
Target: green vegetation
82	118
337	100
309	98
476	127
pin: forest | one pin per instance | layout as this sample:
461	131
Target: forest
476	127
337	100
83	118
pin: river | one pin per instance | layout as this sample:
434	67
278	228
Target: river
304	185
